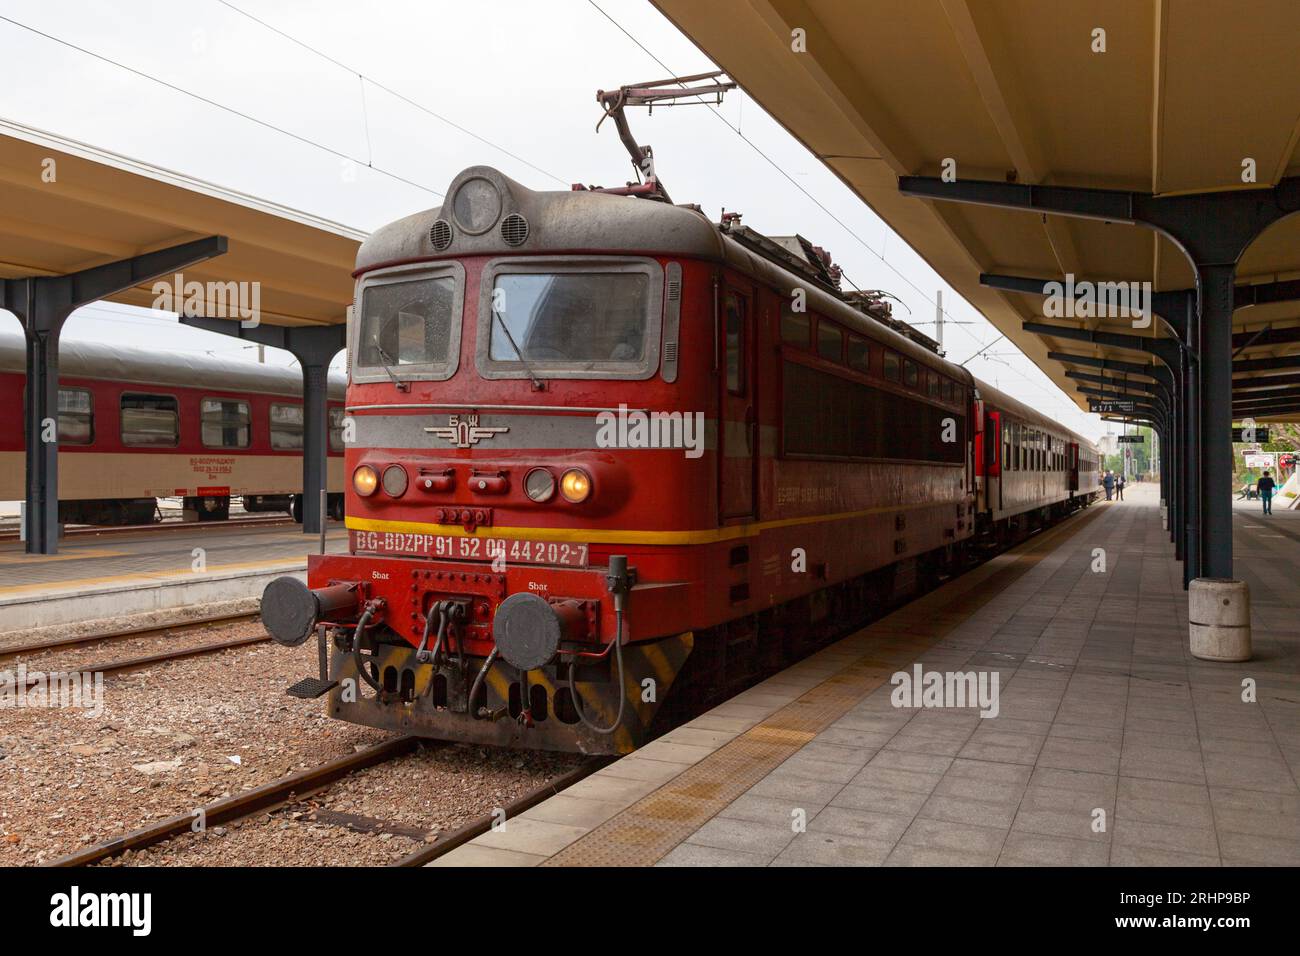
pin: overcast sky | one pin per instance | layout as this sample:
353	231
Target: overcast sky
512	85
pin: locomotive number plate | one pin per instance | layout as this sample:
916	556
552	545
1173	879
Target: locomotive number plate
453	547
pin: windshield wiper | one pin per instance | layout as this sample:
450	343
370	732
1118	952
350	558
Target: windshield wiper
383	354
537	382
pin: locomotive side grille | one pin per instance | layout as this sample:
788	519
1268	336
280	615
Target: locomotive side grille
440	234
672	319
514	229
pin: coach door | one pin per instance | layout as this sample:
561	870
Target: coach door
1072	466
738	425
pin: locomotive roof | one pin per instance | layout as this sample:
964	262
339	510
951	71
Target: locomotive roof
482	205
97	360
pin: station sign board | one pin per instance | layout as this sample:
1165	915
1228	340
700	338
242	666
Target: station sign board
1132	439
1120	407
1256	434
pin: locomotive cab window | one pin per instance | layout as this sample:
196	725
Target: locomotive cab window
224	423
570	318
286	427
408	326
150	421
796	327
911	375
76	416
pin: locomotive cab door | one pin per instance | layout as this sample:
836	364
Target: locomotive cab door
1072	466
738	421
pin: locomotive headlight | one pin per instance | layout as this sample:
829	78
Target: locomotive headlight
395	480
575	486
539	484
365	480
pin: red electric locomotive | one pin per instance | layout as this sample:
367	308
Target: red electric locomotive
609	454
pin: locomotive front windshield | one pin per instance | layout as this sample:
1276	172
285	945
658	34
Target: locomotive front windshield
407	323
570	320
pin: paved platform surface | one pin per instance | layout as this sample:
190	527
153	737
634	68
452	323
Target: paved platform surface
1111	744
147	556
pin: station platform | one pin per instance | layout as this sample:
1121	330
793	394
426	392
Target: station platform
1110	745
124	573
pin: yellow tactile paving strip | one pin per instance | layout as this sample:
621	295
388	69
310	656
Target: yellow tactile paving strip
647	830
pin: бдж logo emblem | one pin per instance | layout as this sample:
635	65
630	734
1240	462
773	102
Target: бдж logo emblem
464	432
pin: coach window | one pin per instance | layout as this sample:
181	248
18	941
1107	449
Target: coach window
1006	446
859	354
150	420
796	327
286	427
911	374
891	366
830	341
336	429
76	417
225	423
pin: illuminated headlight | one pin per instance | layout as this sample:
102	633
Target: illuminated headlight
395	480
575	486
365	480
539	484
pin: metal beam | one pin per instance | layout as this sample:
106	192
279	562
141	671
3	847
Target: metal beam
314	347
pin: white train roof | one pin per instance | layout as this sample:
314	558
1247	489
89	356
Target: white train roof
142	366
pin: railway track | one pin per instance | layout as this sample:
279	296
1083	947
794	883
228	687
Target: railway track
11	534
298	786
119	634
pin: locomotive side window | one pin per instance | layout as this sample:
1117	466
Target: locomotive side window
224	423
911	375
859	354
735	344
286	427
76	417
796	327
891	366
570	318
932	384
150	420
860	421
830	341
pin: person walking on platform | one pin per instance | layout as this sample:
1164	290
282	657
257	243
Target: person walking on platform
1120	482
1266	486
1109	484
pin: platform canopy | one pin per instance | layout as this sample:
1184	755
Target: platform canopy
1187	95
79	225
102	207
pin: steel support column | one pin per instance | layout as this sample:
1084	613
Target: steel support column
314	347
43	304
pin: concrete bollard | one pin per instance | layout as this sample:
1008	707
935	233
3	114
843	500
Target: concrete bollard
1218	610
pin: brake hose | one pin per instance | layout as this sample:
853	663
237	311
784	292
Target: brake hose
622	691
357	659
